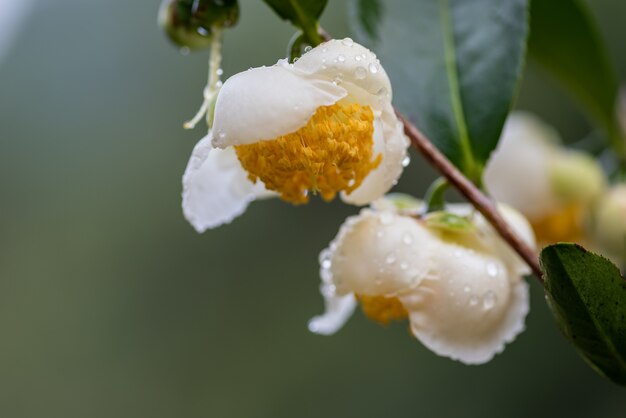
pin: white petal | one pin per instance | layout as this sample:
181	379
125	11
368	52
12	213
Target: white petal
470	309
338	310
389	139
378	253
518	172
215	187
267	102
349	63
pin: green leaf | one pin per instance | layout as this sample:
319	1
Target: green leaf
458	63
565	40
301	13
587	295
368	13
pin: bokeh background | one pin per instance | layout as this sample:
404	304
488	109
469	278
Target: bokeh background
112	306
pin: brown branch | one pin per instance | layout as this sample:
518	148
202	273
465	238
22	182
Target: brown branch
469	190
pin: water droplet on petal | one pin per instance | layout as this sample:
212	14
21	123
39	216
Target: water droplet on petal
386	218
374	67
308	48
360	73
324	258
380	234
219	71
347	42
467	289
341	58
324	50
489	300
404	265
390	259
492	269
407	238
406	161
221	135
473	300
357	57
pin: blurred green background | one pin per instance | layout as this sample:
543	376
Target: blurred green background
112	306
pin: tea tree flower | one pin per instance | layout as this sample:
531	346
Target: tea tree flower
322	125
551	185
462	291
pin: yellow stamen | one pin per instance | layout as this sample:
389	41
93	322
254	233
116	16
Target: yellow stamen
382	309
563	225
333	152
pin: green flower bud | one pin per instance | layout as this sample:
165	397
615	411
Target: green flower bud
191	23
576	177
609	224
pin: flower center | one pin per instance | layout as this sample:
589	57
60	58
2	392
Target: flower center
562	225
333	152
382	309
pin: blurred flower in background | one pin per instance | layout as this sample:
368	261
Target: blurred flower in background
553	186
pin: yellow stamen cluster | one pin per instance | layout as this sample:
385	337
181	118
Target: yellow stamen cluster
333	152
382	309
563	225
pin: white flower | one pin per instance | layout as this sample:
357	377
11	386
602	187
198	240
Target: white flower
322	125
462	292
550	184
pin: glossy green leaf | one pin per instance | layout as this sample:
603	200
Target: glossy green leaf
301	13
587	295
368	14
565	40
455	65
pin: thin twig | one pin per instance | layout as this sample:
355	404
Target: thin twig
469	190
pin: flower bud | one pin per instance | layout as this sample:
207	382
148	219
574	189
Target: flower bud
609	224
191	23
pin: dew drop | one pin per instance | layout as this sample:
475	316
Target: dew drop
219	84
473	300
406	161
467	289
404	265
324	258
358	57
219	71
390	259
324	50
386	218
341	58
492	269
347	42
360	73
374	67
308	48
380	234
382	93
407	238
221	135
489	300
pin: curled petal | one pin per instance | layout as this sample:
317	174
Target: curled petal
267	102
390	141
216	189
379	253
349	63
338	310
470	309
